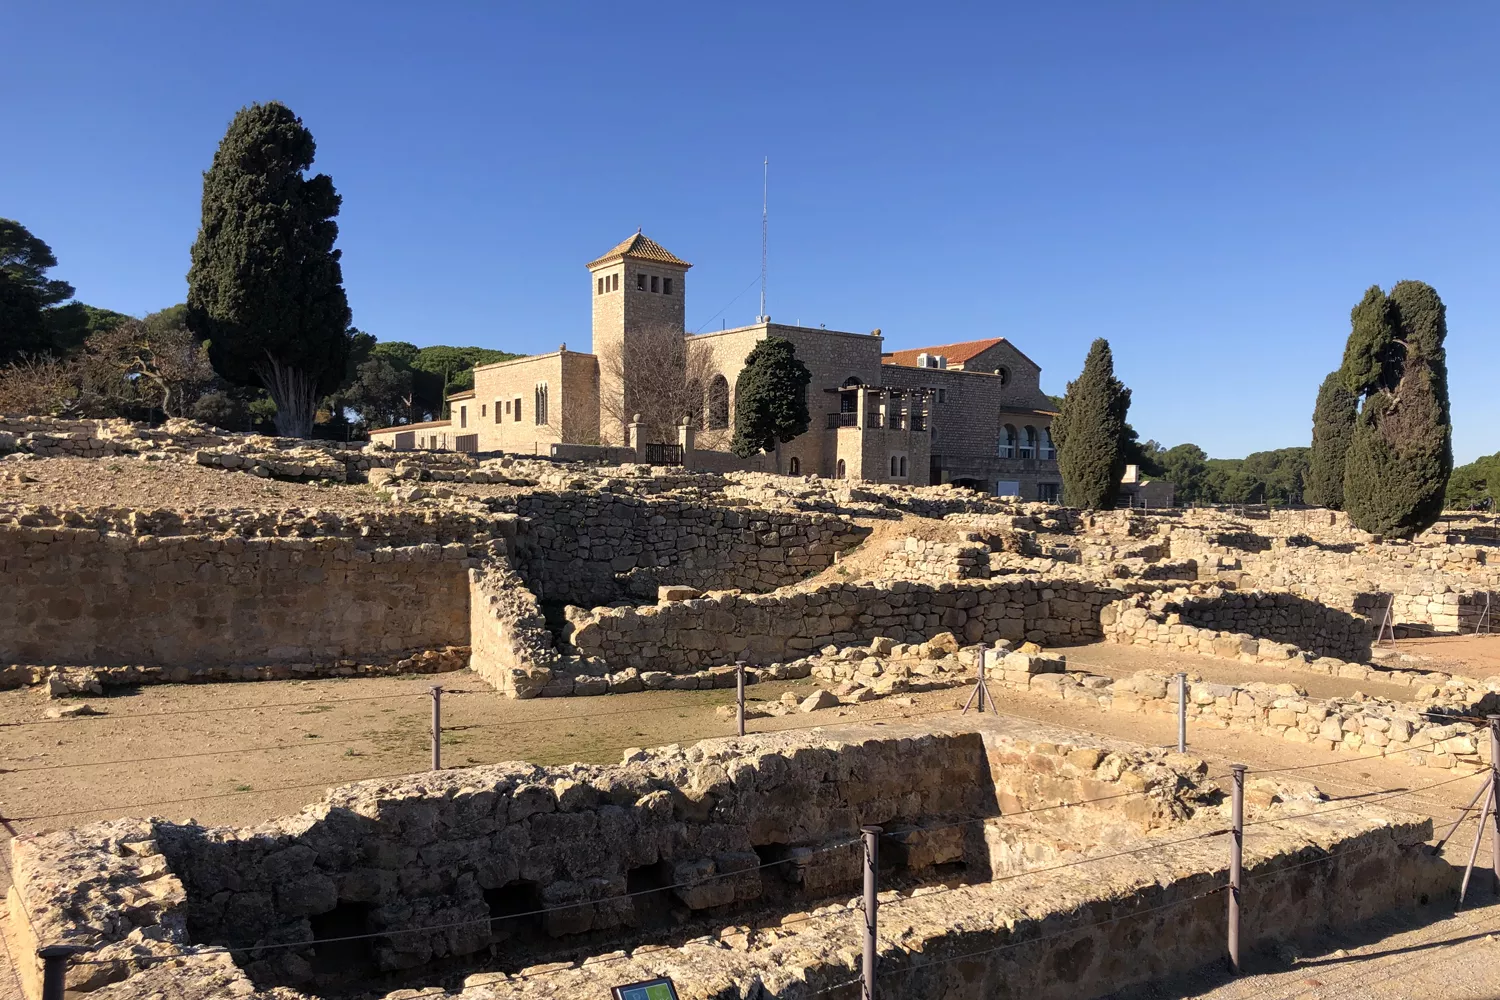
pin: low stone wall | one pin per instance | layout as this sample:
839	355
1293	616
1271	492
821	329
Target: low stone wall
81	596
1045	931
1257	626
719	628
592	548
924	561
511	646
718	828
1411	733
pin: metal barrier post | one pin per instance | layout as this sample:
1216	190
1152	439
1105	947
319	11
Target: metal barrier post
872	859
739	696
1236	850
55	969
1182	712
1495	787
437	728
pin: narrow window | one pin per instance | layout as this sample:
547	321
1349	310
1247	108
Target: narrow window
540	409
507	407
616	277
463	416
517	410
894	465
794	467
942	395
640	282
903	467
655	283
601	287
666	286
838	472
497	411
484	409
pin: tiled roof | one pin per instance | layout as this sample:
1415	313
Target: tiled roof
642	248
956	354
398	428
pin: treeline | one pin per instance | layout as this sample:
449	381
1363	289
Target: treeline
1275	477
264	340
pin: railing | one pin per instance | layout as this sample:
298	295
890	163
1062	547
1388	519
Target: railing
663	454
843	420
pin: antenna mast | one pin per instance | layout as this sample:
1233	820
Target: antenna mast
764	190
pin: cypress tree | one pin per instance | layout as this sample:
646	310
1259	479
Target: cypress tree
1090	432
770	398
265	288
1402	451
1333	428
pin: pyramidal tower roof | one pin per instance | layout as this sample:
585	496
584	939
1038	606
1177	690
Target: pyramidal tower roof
642	248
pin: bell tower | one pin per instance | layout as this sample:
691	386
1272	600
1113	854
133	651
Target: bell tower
639	291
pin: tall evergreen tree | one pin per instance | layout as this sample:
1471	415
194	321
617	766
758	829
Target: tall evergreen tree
1333	428
28	298
265	288
1402	450
1090	432
770	398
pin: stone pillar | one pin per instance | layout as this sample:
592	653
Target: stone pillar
633	432
685	432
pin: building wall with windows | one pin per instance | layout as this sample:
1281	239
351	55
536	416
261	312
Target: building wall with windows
977	417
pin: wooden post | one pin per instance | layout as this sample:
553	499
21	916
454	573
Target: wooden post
1182	712
1236	851
437	728
872	859
739	699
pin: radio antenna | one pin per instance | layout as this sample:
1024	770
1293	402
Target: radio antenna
765	186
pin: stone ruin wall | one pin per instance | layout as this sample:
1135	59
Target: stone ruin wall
177	597
719	628
590	548
758	828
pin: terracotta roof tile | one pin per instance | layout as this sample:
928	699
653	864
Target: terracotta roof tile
955	353
642	248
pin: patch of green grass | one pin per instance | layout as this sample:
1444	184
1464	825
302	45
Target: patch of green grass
243	788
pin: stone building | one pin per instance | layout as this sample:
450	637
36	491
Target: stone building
970	413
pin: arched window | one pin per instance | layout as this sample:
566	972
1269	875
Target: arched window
1049	450
794	467
1007	441
894	465
541	403
718	403
839	472
903	467
1028	443
852	381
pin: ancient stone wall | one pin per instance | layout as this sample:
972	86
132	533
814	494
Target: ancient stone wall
687	635
85	597
595	548
919	560
766	821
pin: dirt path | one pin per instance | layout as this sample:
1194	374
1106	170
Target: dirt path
1471	655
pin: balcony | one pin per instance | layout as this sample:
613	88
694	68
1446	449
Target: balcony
836	420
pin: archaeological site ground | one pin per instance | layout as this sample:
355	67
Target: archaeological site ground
224	658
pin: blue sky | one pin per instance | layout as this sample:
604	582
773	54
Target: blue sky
1209	185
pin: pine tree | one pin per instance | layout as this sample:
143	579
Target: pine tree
1401	454
1090	432
770	398
265	288
1333	428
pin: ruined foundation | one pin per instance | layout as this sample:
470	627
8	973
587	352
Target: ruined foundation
727	865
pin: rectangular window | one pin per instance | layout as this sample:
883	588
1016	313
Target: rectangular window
666	286
497	411
640	282
617	281
601	287
655	283
463	416
484	409
507	407
517	410
942	395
